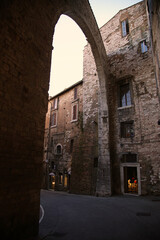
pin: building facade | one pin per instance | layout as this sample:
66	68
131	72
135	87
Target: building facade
133	102
153	9
26	44
131	123
62	129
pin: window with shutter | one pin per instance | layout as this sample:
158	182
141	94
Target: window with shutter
59	149
75	93
55	103
127	129
74	112
125	27
53	119
125	95
143	47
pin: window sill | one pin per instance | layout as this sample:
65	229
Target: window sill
121	108
74	120
125	35
53	126
75	100
53	109
144	55
126	139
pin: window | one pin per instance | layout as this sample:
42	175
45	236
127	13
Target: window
51	143
52	165
127	130
60	178
143	47
59	149
125	27
129	158
53	119
55	103
71	145
74	112
65	180
95	162
125	95
75	93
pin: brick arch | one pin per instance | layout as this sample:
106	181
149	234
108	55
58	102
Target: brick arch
26	44
86	21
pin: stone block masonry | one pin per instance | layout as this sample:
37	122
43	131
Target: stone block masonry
128	65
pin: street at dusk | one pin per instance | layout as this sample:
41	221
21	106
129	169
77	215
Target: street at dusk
75	217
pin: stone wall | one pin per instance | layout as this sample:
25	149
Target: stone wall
95	125
127	63
153	8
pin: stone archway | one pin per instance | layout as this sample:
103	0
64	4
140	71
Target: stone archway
26	44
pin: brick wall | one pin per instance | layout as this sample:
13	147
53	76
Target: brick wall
26	31
65	130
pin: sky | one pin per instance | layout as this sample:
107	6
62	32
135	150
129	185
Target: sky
69	42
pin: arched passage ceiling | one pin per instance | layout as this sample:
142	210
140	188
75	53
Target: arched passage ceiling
26	33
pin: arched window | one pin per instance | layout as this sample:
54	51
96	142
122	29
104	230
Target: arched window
59	149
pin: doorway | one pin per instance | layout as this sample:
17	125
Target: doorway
130	179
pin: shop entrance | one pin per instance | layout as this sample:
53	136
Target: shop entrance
52	181
130	180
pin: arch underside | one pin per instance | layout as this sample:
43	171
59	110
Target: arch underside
26	45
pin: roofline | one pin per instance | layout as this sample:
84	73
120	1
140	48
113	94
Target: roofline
140	1
67	89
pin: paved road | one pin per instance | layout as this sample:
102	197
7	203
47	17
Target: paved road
74	217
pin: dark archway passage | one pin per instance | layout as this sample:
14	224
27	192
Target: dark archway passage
26	31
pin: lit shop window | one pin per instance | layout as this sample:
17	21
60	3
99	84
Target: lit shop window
130	180
65	180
